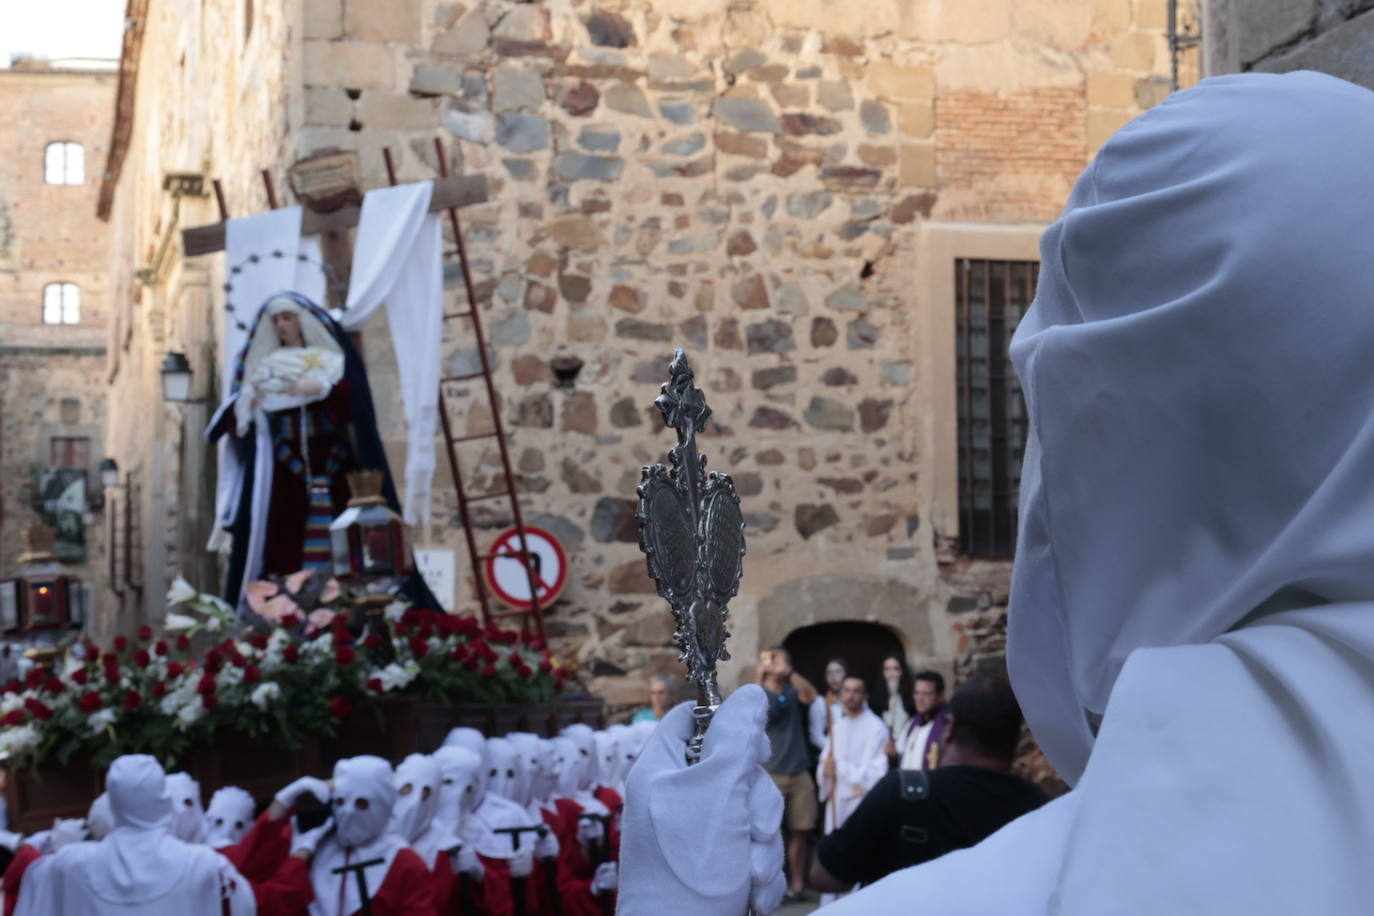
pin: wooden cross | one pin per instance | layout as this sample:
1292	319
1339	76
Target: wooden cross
332	227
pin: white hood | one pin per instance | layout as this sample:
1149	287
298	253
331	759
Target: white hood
1196	550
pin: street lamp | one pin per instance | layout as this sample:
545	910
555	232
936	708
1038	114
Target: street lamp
109	473
176	378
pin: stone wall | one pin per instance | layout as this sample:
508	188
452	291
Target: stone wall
52	381
750	181
780	187
1277	36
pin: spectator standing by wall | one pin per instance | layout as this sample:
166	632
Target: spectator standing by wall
836	670
788	695
853	759
894	701
924	741
661	690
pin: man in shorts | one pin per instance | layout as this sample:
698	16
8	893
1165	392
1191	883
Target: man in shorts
789	695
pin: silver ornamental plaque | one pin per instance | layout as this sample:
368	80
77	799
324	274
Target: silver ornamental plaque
692	533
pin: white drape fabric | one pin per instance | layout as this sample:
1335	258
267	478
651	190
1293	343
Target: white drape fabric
398	260
1194	563
139	868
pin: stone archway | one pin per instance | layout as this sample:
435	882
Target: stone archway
862	644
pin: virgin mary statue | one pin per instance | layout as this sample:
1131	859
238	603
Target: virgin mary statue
298	419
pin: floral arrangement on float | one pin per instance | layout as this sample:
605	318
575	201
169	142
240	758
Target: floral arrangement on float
301	671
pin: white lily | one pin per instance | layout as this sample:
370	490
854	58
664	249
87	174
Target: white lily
265	693
174	622
181	591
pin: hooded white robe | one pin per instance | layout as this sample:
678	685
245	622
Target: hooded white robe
139	868
1192	607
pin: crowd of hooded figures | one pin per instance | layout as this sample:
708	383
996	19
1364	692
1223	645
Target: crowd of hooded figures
512	826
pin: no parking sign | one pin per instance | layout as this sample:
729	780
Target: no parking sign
505	572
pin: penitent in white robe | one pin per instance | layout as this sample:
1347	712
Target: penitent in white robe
859	764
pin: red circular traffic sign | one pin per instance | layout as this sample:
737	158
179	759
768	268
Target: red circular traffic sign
506	575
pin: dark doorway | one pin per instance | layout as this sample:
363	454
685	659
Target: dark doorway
862	645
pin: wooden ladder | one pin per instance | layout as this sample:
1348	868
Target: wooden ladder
507	490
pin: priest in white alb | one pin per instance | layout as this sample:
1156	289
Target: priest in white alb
852	759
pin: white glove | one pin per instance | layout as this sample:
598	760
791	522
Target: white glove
607	878
670	865
67	830
467	863
310	840
289	796
521	863
546	847
589	831
11	841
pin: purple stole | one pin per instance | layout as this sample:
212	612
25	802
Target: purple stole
935	747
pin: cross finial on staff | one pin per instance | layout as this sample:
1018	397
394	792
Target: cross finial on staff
692	535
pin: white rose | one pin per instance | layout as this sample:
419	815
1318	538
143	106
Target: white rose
101	720
265	693
190	713
18	738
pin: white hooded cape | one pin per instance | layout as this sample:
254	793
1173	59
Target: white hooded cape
1195	567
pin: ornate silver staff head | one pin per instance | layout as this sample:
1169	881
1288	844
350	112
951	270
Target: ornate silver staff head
692	533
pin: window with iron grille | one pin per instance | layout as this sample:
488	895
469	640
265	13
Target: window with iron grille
990	298
64	162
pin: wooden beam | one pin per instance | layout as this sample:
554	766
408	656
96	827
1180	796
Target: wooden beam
459	191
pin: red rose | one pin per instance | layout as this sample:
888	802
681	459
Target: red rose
418	647
174	669
374	684
183	643
458	654
13	687
90	701
372	641
160	648
112	675
525	671
159	690
209	700
546	666
426	631
342	637
206	685
559	673
402	629
344	655
33	678
121	643
53	684
290	620
132	700
489	670
93	657
38	709
291	655
145	632
537	644
259	641
251	674
340	707
16	716
142	659
237	659
79	676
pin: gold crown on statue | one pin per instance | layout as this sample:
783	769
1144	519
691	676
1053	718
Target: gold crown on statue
365	487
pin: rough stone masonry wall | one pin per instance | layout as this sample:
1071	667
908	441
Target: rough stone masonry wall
1277	36
746	181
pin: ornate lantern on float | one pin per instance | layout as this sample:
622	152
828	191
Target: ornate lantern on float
370	550
40	606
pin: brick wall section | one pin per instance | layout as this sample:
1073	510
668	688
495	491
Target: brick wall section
1009	157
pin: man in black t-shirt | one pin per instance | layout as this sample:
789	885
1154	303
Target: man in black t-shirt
911	817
